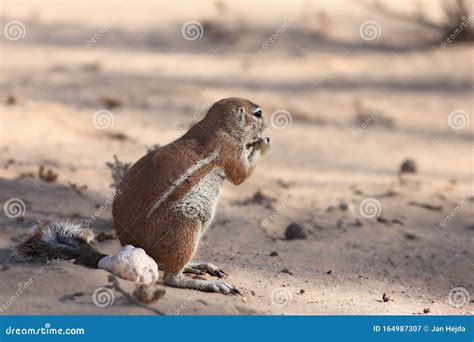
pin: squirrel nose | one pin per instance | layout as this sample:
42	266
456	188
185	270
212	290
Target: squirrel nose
258	113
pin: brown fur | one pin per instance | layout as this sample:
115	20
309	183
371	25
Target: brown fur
168	236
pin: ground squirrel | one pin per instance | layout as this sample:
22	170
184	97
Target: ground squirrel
167	199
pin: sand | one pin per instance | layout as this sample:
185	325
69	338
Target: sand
326	77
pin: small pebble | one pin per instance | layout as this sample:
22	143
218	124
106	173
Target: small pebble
10	100
385	298
111	102
344	206
294	231
408	166
410	236
273	254
287	271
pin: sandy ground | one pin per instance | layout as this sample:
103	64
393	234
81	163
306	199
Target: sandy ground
325	76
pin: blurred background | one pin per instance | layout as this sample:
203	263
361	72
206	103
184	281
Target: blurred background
364	205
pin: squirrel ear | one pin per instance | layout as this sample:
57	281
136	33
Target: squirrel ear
240	114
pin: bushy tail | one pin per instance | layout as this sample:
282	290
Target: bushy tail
60	240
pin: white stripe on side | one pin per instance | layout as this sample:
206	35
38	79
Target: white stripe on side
188	173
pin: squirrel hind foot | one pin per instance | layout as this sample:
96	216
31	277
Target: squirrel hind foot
200	269
175	280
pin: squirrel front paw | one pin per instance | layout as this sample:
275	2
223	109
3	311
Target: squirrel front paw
132	264
264	144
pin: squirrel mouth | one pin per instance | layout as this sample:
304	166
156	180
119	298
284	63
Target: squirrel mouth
254	141
258	137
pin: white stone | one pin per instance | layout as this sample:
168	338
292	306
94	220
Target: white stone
132	264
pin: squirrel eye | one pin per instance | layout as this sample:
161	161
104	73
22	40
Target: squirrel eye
257	112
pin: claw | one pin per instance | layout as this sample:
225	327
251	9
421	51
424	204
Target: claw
202	285
210	269
192	270
236	291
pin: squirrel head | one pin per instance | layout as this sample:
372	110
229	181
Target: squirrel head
240	118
